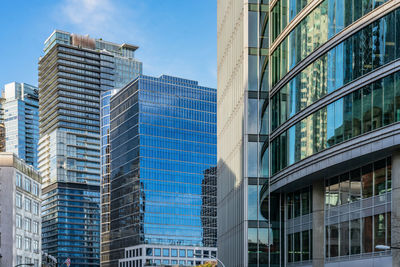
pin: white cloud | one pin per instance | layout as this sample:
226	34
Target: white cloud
94	17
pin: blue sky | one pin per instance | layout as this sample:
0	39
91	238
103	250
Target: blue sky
175	37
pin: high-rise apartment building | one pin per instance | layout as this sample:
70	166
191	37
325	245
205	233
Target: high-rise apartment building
330	71
162	174
73	73
21	121
20	222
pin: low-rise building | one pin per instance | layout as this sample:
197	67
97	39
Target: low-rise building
20	224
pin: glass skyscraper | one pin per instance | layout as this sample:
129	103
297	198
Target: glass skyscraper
162	173
21	121
73	73
308	127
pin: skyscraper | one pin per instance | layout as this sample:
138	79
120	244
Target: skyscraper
331	193
73	72
162	180
21	121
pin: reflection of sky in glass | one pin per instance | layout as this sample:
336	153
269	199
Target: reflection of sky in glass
176	145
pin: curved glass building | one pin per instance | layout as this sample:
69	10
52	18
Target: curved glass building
330	71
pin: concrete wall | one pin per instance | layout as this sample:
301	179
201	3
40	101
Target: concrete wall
7	220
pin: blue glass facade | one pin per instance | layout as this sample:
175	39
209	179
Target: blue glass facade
21	121
163	158
75	234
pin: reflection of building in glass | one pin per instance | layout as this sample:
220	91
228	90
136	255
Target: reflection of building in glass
334	117
163	149
73	73
21	121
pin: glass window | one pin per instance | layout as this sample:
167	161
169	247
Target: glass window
252	245
296	204
182	253
252	209
252	153
166	252
380	230
28	204
290	248
305	239
18	200
297	249
27	185
149	252
366	235
35	227
197	254
334	240
18	221
253	35
344	189
19	241
380	177
367	181
18	179
344	238
174	252
35	189
36	208
388	101
252	74
190	253
305	201
355	185
355	236
252	116
28	244
27	224
157	252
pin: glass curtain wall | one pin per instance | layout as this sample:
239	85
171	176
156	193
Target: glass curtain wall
320	25
257	128
365	51
358	210
366	109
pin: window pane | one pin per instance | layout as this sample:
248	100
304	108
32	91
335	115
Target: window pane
355	237
388	102
380	177
379	231
252	153
252	245
344	189
355	185
344	238
306	245
334	240
367	181
366	109
377	99
252	202
367	235
252	116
